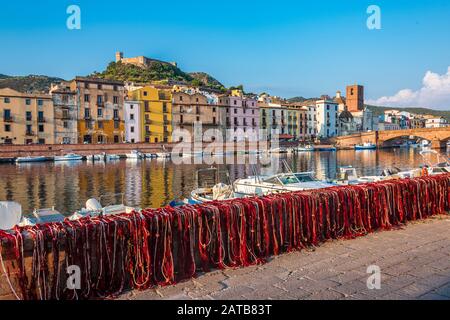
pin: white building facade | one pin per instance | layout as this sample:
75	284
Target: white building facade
327	115
132	121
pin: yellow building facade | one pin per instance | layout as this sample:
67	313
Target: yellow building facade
156	113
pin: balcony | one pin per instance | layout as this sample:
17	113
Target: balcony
29	133
8	119
100	104
41	120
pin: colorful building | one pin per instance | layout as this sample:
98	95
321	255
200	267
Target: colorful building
156	113
240	116
192	110
65	113
26	118
100	110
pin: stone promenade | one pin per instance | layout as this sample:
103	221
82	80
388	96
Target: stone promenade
414	263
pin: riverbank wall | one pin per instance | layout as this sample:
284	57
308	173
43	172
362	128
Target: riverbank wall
104	256
14	151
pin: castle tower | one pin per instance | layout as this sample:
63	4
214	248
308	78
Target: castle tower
355	98
119	56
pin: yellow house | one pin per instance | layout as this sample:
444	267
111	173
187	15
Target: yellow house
156	113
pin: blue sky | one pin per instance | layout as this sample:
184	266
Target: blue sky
287	48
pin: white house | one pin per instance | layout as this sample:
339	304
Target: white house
436	122
132	121
327	116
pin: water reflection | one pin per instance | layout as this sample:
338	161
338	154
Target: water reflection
154	183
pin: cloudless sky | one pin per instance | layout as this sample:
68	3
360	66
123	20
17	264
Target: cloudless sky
287	48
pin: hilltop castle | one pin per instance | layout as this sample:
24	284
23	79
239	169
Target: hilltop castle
140	61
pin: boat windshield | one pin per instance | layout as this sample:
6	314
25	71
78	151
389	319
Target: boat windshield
304	177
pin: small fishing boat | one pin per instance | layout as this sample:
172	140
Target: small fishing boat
47	215
366	146
94	208
150	156
305	148
134	155
111	157
441	164
30	159
69	157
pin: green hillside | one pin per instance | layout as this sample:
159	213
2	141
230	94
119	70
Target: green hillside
156	71
30	83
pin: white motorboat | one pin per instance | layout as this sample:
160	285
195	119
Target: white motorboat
305	148
348	175
439	166
282	182
30	159
96	157
219	191
366	146
150	155
69	157
134	155
94	208
164	155
278	150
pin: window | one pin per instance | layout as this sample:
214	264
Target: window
115	88
41	128
145	93
28	116
115	99
235	110
65	125
40	102
164	107
214	120
7	128
198	118
99	99
181	98
87	113
132	140
132	129
116	124
99	112
214	109
116	114
86	98
131	107
100	124
65	114
28	102
40	116
7	100
100	139
86	85
132	116
99	86
235	102
41	141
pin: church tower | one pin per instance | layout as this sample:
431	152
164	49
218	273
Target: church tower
355	98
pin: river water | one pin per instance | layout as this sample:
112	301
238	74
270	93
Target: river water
154	183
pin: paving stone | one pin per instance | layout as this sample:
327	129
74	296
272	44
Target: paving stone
414	262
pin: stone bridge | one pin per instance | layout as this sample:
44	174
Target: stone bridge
437	136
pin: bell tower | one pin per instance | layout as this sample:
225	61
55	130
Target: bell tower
355	98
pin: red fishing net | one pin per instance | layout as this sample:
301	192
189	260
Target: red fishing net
167	245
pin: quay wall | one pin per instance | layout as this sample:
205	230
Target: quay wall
49	150
163	246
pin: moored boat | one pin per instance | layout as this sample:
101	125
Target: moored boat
134	155
366	146
69	157
31	159
305	148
